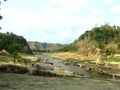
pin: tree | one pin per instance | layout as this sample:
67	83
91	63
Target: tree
14	48
101	45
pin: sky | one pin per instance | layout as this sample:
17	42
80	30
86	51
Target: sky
57	21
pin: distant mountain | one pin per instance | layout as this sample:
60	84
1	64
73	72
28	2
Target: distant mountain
45	46
13	43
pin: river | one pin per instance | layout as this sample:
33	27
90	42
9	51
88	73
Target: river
61	64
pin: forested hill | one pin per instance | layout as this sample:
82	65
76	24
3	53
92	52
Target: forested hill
104	40
13	43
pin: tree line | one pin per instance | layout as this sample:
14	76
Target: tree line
102	35
13	43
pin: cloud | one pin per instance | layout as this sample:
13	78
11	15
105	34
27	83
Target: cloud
109	1
91	21
51	23
69	4
55	20
115	9
98	11
20	19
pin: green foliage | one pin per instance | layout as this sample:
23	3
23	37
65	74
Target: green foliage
109	51
101	45
71	47
13	43
118	46
38	50
112	59
101	36
14	48
104	33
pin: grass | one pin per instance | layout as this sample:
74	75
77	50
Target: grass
72	56
68	56
112	59
6	59
26	56
78	60
83	61
64	55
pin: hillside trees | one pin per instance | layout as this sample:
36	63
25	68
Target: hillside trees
13	48
104	37
13	43
70	47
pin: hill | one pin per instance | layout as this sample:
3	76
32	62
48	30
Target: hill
13	43
38	46
99	42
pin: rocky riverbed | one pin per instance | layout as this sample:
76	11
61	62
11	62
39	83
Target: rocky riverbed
41	80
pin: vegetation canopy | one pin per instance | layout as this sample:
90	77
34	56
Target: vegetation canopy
13	43
104	38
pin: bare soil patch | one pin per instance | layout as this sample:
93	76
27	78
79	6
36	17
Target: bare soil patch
10	81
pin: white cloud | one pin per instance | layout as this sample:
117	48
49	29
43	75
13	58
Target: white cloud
91	21
98	12
19	19
70	5
56	20
115	9
109	1
50	24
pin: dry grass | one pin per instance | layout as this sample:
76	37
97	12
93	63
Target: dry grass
7	59
30	57
62	56
27	82
72	55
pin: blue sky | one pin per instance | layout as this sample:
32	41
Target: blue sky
57	21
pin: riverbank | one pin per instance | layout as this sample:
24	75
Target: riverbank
55	66
95	68
71	55
10	81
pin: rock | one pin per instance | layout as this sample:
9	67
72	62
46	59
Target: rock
92	62
101	63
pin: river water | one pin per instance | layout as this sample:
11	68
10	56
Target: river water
61	64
